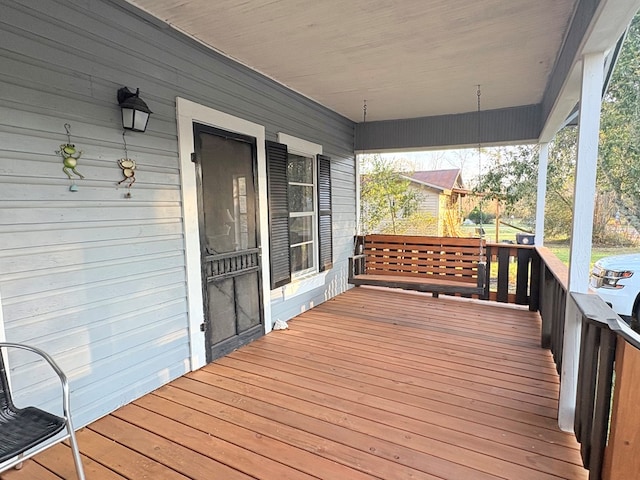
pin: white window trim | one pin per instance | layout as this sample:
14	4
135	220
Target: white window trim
189	112
305	280
314	220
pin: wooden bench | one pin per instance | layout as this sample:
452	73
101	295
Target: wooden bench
436	265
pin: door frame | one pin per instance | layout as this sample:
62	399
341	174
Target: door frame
188	112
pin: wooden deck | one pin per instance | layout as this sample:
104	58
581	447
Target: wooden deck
372	384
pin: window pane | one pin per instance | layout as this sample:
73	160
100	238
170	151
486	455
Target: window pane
300	198
301	257
300	169
300	229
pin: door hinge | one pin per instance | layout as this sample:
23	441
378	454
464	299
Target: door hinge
194	159
202	327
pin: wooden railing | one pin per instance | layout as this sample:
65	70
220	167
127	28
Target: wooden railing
607	431
552	301
607	411
505	285
595	379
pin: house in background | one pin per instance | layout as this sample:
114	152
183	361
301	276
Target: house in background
439	195
245	203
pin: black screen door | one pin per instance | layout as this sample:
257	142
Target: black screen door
229	239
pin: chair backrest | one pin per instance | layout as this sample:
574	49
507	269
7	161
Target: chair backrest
6	402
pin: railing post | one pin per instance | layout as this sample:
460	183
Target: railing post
535	281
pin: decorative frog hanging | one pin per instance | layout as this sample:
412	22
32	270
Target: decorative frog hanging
70	155
128	167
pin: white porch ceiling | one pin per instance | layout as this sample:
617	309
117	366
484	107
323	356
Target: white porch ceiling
407	58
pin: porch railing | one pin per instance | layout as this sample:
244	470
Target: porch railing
607	413
608	369
511	275
552	301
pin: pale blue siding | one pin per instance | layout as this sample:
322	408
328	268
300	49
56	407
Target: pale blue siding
96	279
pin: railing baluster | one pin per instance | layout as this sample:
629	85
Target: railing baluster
522	276
587	374
487	284
534	282
603	402
503	275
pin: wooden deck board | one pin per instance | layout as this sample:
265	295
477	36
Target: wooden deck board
372	384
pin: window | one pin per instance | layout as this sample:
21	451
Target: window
299	191
302	213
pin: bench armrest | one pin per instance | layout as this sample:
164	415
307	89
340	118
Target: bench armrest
356	265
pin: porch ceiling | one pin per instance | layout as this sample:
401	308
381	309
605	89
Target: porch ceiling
409	58
415	59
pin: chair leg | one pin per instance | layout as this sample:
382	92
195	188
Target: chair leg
75	450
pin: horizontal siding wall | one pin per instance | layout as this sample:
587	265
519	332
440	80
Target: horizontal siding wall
502	126
94	278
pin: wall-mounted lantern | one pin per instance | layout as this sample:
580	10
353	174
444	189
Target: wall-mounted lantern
135	113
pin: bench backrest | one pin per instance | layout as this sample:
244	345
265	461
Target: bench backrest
421	256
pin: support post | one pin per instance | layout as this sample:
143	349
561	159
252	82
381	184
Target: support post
582	229
543	162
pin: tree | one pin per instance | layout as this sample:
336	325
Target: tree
386	198
619	152
512	179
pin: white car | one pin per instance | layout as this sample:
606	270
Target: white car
616	280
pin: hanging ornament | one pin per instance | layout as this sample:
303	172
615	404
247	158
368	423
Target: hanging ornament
128	167
70	156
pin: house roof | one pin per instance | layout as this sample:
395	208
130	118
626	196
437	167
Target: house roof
440	179
414	58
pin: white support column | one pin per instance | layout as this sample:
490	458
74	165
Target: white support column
583	206
543	162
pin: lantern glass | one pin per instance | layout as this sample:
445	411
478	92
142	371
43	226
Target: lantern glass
127	117
140	120
135	113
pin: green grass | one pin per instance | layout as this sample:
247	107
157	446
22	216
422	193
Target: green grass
506	233
561	250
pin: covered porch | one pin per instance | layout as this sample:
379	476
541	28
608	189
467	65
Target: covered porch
375	383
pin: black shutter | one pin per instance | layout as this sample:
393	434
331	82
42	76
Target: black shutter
277	192
325	236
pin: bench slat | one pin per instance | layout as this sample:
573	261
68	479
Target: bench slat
429	264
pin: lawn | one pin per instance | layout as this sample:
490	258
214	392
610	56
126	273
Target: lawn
506	233
561	250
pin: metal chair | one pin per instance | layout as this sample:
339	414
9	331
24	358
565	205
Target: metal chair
25	432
